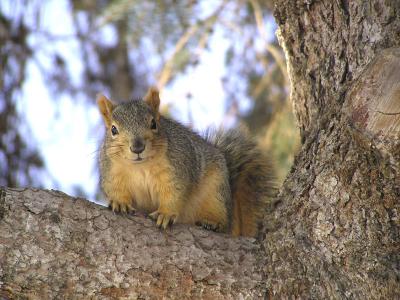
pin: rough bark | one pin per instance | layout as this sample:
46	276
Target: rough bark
53	246
334	233
334	230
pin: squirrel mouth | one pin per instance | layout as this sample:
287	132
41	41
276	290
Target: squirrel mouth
138	158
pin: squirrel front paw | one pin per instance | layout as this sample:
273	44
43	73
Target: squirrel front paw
121	207
163	219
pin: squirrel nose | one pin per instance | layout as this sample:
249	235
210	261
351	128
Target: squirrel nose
138	146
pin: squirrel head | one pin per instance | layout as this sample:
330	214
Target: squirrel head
132	128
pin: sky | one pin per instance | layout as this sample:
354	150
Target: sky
68	131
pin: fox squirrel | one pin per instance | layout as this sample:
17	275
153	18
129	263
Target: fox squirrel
153	164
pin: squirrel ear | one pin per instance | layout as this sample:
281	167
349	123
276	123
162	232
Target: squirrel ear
106	107
152	98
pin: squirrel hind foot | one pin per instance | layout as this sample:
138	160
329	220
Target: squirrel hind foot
216	227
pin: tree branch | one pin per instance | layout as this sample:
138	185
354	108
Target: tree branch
54	246
269	47
167	70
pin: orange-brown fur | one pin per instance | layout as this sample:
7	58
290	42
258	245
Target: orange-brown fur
247	212
226	192
251	179
205	204
152	188
245	217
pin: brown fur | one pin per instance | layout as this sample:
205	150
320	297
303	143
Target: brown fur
248	205
152	98
245	217
251	179
144	183
105	107
205	203
153	189
222	184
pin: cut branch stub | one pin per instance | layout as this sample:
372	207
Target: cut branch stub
373	104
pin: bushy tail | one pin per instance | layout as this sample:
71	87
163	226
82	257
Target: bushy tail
251	178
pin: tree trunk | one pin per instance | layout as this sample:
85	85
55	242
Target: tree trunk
53	246
334	232
334	229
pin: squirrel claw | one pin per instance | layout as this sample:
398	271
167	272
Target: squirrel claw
209	226
124	208
154	215
163	220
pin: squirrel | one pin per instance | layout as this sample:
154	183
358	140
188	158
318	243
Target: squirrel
155	165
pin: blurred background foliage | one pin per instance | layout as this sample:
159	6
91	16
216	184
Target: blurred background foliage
125	46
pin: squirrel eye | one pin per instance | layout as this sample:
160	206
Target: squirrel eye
153	124
114	130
